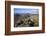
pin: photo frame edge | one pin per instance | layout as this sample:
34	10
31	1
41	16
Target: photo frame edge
8	32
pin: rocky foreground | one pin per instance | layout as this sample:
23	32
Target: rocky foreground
27	21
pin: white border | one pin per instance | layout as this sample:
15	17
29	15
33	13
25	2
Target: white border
25	28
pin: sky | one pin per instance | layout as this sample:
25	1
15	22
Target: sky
26	10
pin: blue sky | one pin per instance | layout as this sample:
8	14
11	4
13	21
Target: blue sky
26	10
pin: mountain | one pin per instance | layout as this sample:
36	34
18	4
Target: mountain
24	15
